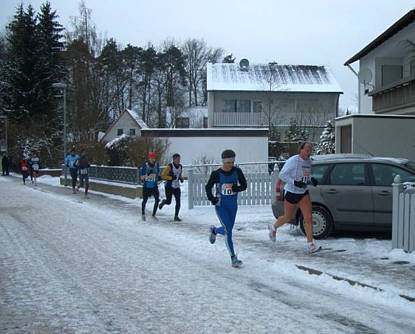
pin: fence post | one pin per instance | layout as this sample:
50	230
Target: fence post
397	188
190	189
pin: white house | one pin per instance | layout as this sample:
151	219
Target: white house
264	95
128	123
387	70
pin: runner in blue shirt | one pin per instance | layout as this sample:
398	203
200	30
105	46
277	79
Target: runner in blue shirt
228	181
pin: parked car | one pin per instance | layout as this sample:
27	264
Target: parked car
354	193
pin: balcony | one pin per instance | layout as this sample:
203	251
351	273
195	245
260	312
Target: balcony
399	95
239	119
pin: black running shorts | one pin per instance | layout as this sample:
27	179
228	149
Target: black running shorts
294	198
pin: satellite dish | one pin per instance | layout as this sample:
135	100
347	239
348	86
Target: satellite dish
365	76
244	64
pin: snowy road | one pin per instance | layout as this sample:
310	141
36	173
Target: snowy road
91	267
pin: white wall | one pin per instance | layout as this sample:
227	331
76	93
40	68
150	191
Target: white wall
387	136
390	52
192	149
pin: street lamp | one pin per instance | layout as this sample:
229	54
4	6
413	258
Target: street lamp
63	86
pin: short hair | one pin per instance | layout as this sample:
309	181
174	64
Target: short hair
176	155
303	144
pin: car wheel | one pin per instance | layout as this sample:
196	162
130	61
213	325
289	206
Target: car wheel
322	222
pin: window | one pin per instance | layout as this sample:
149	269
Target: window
229	106
348	174
120	132
385	174
257	106
318	171
132	132
391	74
412	66
182	122
244	106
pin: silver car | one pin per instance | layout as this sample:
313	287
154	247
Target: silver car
354	193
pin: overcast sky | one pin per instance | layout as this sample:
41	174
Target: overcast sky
321	32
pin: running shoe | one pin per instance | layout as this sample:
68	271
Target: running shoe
272	232
212	236
311	248
177	219
235	262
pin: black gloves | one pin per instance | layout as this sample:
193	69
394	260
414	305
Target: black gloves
300	184
181	180
314	182
214	200
235	188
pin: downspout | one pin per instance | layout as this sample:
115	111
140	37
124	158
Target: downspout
358	87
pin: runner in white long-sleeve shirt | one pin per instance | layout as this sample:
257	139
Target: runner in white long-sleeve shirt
296	174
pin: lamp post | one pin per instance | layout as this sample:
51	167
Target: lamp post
63	86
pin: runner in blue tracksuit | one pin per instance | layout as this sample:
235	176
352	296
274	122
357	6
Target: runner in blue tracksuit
149	174
70	162
228	181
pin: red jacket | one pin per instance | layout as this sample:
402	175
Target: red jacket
24	166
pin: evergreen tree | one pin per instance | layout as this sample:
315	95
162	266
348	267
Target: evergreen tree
327	144
295	132
21	62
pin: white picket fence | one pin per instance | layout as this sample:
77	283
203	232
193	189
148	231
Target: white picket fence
403	215
258	192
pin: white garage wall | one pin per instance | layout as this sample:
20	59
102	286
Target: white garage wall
194	149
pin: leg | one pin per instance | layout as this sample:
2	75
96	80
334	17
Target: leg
73	176
306	209
156	195
289	210
177	194
225	217
168	191
86	184
144	202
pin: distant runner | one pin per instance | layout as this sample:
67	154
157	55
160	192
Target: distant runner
173	176
149	175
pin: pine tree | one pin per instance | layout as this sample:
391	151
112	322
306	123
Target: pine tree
295	132
327	143
22	60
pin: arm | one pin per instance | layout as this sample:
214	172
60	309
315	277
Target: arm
143	172
165	175
287	173
242	182
214	178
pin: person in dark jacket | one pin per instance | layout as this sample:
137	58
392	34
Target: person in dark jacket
5	163
228	181
173	176
149	174
83	164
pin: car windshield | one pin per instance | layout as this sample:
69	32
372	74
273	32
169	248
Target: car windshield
410	165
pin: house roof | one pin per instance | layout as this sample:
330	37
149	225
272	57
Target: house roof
291	78
404	21
140	123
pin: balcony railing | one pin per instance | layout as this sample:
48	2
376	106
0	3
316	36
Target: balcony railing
238	119
399	95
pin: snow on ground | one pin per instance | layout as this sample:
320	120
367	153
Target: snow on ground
91	266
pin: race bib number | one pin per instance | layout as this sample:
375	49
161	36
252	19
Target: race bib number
35	167
84	171
24	168
175	184
227	189
306	175
150	177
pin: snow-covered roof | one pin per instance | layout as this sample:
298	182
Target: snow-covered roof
135	116
291	78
